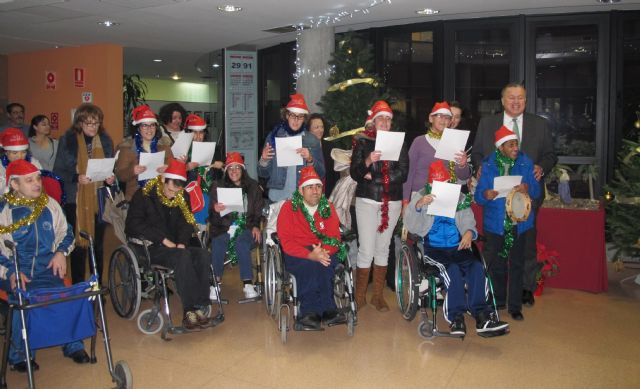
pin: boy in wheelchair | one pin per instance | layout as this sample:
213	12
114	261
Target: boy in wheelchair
309	233
43	238
447	246
160	213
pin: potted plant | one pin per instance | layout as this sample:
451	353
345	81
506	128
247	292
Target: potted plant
134	91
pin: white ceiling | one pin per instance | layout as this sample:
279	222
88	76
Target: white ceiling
181	31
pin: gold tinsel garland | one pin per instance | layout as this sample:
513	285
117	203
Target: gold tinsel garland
434	135
37	204
177	201
342	86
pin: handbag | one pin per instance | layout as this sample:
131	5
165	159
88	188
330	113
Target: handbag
196	197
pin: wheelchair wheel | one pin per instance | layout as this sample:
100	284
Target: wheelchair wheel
340	294
123	375
271	290
407	282
124	282
425	329
150	322
283	327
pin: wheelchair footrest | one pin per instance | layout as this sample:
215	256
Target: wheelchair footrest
250	300
300	327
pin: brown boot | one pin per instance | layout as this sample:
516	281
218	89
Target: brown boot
379	280
362	281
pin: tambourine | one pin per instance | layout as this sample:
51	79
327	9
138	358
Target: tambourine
518	206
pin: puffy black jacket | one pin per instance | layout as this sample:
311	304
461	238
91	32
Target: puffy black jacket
373	189
149	219
220	225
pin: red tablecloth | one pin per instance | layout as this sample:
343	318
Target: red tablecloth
578	237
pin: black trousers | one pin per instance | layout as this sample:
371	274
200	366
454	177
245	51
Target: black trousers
506	274
192	269
79	256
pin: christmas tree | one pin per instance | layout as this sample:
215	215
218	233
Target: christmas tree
623	202
355	86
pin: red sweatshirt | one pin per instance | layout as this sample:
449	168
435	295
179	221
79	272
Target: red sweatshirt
295	234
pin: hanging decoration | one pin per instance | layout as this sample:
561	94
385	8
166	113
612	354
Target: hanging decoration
342	86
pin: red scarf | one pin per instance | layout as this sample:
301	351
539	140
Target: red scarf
384	208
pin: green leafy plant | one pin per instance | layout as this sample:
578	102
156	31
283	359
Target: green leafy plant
134	91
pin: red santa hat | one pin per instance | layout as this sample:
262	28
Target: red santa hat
176	170
20	168
234	158
143	114
308	176
297	104
438	172
503	135
195	123
380	108
13	139
442	108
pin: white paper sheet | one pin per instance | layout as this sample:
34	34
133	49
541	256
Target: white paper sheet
202	153
181	147
504	184
452	142
390	144
232	200
101	169
286	154
446	199
152	161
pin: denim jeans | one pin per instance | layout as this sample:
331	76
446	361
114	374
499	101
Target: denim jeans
244	244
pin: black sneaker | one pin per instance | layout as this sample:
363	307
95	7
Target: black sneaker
488	326
21	367
458	328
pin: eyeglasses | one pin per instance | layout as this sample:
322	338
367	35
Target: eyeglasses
146	126
442	116
296	117
92	124
234	167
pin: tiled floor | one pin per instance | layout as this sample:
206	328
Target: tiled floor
570	339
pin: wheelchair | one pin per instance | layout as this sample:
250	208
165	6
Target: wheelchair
411	270
81	304
280	292
132	277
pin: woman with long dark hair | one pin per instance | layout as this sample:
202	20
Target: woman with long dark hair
41	144
234	234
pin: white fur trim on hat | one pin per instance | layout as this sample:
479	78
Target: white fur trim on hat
506	139
17	148
145	120
443	111
311	181
297	110
197	128
381	113
174	176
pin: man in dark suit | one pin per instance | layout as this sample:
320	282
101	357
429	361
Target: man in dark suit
534	135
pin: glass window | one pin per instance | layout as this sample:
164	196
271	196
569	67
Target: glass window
631	81
482	68
408	70
566	85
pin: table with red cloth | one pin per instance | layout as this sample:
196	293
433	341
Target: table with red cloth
578	237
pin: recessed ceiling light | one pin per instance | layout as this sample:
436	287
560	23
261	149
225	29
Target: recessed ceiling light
427	11
108	23
608	1
229	8
157	60
216	65
175	77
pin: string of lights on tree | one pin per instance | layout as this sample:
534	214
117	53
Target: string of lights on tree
322	21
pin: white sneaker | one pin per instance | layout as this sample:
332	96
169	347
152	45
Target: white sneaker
424	285
250	291
213	293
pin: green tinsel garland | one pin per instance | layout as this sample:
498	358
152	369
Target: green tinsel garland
241	222
324	209
501	161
